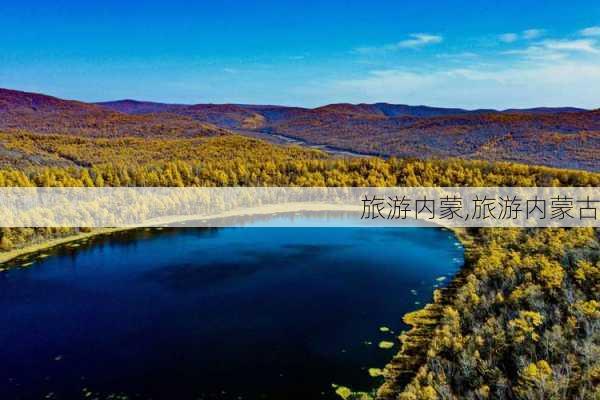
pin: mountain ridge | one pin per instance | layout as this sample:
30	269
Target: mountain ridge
40	113
386	109
562	137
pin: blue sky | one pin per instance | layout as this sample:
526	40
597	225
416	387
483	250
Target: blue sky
470	54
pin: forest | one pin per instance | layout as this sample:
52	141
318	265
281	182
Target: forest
559	137
522	320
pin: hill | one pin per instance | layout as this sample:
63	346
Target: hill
45	114
232	116
564	139
561	137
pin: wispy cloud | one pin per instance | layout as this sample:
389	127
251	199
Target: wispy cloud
527	34
508	37
532	33
460	56
419	40
581	45
499	86
557	49
414	41
591	31
549	71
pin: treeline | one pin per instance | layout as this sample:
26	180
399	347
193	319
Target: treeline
235	161
25	150
293	172
300	172
239	171
54	160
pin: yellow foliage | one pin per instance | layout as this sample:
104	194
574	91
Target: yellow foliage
590	309
525	325
429	393
585	270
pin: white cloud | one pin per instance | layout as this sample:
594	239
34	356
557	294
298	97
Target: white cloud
528	34
532	33
458	56
551	72
541	72
537	52
591	31
508	37
549	50
565	83
415	41
419	40
580	45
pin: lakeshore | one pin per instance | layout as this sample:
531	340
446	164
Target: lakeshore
191	287
42	246
11	255
236	217
401	363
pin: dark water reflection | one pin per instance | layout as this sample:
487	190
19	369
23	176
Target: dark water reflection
278	313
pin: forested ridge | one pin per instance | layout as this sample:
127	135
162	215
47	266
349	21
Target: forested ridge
521	321
232	160
561	137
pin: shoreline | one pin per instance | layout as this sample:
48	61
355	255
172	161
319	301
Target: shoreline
11	255
166	222
414	343
391	369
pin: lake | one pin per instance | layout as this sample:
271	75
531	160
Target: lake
229	313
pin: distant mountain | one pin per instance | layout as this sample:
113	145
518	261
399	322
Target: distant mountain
543	110
273	113
140	107
45	114
570	139
395	110
562	137
232	116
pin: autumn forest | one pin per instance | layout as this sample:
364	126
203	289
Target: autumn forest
520	320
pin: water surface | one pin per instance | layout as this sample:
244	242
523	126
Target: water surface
233	313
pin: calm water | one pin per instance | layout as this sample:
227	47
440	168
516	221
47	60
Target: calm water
246	313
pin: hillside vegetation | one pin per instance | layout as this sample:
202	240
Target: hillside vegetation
45	114
560	137
63	160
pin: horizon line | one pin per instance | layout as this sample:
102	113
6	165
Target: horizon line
491	109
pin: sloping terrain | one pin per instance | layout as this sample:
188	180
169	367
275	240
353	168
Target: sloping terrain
560	137
232	116
566	139
45	114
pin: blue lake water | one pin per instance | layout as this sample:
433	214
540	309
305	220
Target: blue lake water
231	313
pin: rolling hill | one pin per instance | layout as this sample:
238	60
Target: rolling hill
561	137
45	114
